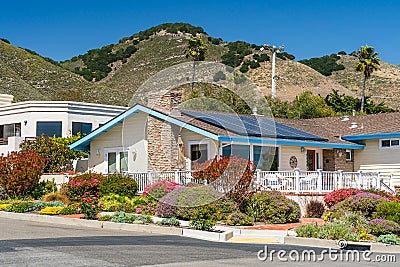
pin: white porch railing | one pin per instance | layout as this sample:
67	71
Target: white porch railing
319	181
295	181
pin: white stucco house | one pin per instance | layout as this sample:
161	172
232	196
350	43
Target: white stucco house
23	120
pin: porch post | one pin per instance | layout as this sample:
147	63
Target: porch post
297	174
319	181
340	179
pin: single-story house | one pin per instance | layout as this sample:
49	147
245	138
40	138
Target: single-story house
164	138
29	119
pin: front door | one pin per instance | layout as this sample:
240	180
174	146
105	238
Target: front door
310	160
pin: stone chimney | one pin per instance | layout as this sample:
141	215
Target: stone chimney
162	137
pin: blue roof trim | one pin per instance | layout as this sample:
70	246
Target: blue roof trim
83	143
371	136
286	142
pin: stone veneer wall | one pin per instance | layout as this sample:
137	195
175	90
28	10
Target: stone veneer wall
162	137
332	161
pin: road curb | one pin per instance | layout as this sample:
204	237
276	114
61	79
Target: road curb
154	229
323	243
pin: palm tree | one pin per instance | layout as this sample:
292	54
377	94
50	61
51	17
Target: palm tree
197	50
367	63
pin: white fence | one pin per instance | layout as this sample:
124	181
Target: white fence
298	181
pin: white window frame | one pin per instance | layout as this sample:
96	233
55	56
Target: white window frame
390	146
199	142
116	150
351	155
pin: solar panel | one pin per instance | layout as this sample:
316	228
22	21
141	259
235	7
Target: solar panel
251	125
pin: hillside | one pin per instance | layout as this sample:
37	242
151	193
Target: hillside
383	86
113	73
30	77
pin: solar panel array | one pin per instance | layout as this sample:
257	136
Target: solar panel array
256	126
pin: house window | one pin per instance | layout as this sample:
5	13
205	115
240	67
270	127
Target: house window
390	143
9	130
199	151
349	155
117	160
49	128
81	127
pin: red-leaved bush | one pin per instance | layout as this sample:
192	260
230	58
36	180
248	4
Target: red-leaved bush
20	172
231	175
337	196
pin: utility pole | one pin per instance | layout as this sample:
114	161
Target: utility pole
274	50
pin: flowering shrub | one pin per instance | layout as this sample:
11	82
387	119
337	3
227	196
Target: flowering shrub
90	206
182	201
239	218
365	203
388	210
232	174
118	184
20	172
51	210
85	184
272	207
382	227
337	196
160	189
384	194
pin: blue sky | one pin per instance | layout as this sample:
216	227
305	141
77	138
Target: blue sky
62	29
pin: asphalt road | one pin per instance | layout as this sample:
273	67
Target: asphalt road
24	243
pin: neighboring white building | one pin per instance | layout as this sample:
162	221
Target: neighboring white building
22	120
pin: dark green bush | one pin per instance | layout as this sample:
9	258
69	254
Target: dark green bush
119	184
389	210
204	218
70	209
272	207
21	207
239	218
43	188
324	65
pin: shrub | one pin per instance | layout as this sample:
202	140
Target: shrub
105	218
170	222
182	201
43	188
118	184
122	217
3	194
204	218
231	175
272	207
388	210
354	219
54	150
160	189
379	227
307	230
90	206
70	209
51	210
4	206
390	239
239	218
21	207
20	172
365	203
138	204
384	194
225	207
79	185
337	196
315	209
338	231
56	197
42	204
